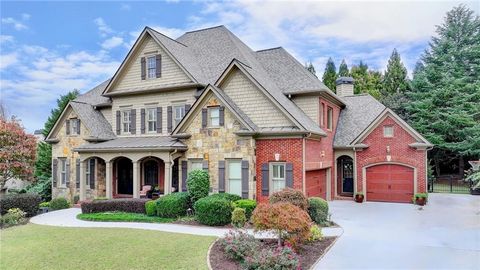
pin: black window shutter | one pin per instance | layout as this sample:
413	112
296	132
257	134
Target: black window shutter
144	68
205	165
289	175
67	127
221	176
222	116
67	172
77	173
142	121
133	123
204	117
119	128
92	173
159	119
169	119
245	179
78	126
265	179
54	171
158	65
184	175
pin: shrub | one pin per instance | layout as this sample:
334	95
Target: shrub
44	204
27	202
318	210
59	203
120	205
292	196
42	187
173	205
213	211
248	205
238	217
315	233
76	198
13	216
198	185
238	245
279	258
151	208
227	196
289	221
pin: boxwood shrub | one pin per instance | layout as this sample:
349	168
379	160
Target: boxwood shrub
59	203
248	205
120	205
198	185
227	196
151	208
318	210
27	202
213	211
173	205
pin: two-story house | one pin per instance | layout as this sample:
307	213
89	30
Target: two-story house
257	121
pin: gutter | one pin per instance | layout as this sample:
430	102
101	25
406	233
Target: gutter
129	149
155	90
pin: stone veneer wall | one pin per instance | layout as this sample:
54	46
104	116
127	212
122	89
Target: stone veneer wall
215	144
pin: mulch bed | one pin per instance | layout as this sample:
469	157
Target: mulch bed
309	253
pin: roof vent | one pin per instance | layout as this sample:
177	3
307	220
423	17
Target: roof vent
345	86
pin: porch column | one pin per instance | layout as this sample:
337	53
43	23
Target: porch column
82	181
168	177
108	179
136	179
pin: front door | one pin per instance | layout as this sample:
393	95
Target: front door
345	176
151	173
125	176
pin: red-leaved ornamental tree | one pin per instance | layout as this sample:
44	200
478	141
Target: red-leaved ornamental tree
17	151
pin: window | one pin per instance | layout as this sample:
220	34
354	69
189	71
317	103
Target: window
234	172
152	67
322	115
213	116
178	113
89	170
329	118
74	126
126	121
152	119
63	171
196	164
388	131
278	176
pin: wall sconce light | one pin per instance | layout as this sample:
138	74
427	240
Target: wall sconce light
277	157
389	157
322	153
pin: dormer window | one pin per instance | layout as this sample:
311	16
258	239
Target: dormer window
151	67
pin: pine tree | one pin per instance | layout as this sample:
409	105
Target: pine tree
360	74
374	83
445	98
55	113
330	75
343	69
395	79
311	68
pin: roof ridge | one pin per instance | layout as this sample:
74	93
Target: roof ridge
165	36
204	29
270	49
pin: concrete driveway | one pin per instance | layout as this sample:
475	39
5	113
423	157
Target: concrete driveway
444	235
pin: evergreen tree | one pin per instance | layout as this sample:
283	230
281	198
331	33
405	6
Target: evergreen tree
374	84
395	79
445	98
330	75
343	69
311	68
360	74
55	113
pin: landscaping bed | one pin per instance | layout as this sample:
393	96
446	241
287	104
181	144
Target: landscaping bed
123	217
309	253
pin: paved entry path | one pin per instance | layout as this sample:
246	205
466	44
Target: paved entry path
68	218
445	235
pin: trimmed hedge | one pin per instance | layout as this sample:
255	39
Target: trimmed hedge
173	205
248	205
59	203
293	196
318	210
198	185
119	205
213	211
27	202
227	196
151	208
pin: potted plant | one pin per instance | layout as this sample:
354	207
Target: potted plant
44	207
359	197
420	198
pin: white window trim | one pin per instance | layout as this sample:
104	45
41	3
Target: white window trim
147	120
385	135
74	127
329	118
227	174
122	122
88	172
209	116
192	161
271	175
154	57
63	172
174	112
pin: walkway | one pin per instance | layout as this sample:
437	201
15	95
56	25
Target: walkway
68	218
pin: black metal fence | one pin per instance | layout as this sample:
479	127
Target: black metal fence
449	184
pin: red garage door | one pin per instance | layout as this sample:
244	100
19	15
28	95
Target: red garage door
389	183
316	184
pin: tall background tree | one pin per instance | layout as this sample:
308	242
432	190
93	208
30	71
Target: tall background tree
330	75
343	69
311	68
445	97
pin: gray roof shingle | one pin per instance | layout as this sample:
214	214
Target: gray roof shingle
94	96
94	121
360	111
160	142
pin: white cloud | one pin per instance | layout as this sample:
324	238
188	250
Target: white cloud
103	28
168	31
112	43
15	23
6	39
26	16
125	7
7	60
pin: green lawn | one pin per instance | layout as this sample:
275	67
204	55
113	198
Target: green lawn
44	247
123	217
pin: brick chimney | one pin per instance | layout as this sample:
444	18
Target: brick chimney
345	86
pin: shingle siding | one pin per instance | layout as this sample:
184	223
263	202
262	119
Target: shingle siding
309	105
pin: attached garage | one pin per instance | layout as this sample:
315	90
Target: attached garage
390	183
316	183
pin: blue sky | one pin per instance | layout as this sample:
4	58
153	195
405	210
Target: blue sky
50	48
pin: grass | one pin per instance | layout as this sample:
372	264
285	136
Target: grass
123	217
44	247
